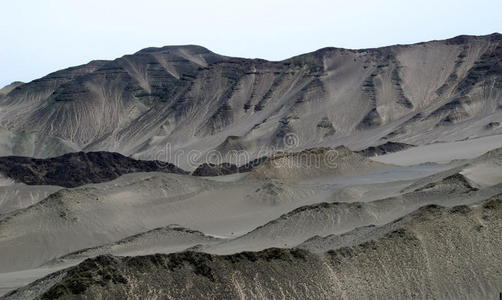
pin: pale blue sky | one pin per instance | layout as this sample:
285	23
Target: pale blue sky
41	36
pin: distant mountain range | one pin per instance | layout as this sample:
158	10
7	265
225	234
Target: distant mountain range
191	98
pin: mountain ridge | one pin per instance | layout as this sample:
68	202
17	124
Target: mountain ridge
192	98
495	35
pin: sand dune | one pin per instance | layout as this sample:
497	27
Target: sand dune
315	162
447	188
247	212
167	239
409	261
19	196
73	219
443	152
336	218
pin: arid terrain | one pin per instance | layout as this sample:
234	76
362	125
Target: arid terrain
179	173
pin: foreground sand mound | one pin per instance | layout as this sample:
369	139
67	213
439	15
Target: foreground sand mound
408	262
315	162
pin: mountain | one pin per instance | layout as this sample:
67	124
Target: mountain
159	102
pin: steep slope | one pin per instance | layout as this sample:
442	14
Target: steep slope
76	169
193	99
409	262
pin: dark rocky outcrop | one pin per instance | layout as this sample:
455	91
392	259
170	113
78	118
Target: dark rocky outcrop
76	169
209	169
382	149
492	125
253	164
372	119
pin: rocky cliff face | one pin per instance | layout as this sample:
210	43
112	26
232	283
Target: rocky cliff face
192	98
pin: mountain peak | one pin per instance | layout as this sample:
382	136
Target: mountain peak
6	89
194	49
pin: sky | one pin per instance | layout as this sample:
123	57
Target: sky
41	36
